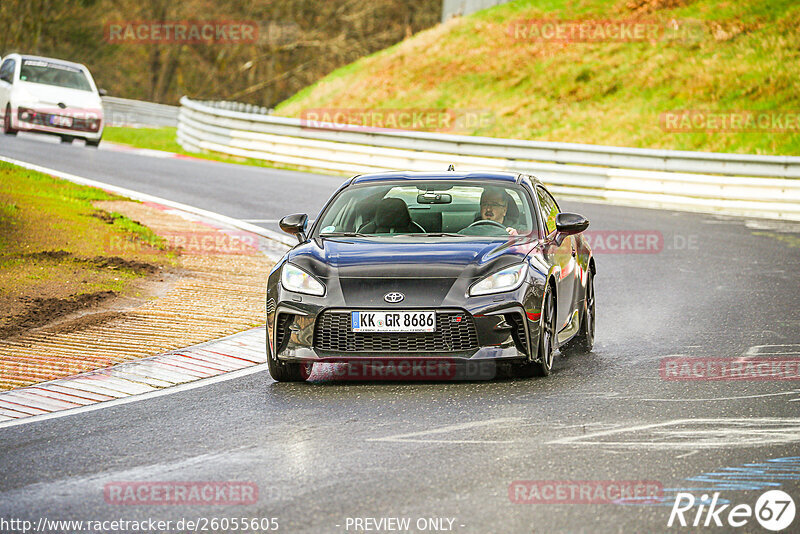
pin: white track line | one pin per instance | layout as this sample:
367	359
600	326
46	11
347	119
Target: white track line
698	434
123	383
416	437
136	398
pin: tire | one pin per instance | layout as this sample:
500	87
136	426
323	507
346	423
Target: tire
545	350
7	129
584	339
93	143
287	372
67	139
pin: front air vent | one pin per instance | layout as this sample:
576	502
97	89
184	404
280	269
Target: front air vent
282	332
518	333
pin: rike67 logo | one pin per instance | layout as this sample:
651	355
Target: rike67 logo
774	510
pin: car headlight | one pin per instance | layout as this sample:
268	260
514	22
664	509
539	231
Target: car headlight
507	279
26	114
295	279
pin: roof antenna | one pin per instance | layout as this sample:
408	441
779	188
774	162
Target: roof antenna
451	168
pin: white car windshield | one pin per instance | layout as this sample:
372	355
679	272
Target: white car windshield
457	208
50	73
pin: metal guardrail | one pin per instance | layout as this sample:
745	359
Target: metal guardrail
760	186
125	112
237	106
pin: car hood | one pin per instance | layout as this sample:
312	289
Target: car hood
425	269
50	95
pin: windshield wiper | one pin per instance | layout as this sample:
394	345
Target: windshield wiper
442	234
356	234
344	234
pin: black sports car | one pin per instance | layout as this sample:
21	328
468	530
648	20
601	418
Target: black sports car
467	267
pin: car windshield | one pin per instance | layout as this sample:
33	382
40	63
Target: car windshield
441	208
49	73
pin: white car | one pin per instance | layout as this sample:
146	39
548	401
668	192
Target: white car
40	94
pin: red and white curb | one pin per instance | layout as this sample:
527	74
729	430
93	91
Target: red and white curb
233	356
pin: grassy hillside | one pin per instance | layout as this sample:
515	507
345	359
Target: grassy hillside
738	55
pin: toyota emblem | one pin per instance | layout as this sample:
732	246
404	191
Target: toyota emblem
394	296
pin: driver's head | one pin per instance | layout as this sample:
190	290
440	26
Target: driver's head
494	204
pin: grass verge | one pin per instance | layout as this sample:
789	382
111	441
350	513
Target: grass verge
59	254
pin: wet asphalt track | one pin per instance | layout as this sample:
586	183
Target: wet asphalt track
324	452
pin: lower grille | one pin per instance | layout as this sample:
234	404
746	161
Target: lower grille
333	333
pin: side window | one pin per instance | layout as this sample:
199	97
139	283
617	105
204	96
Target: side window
549	209
7	71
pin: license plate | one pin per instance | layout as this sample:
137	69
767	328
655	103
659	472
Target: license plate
394	321
58	120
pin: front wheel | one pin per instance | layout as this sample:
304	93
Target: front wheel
285	371
7	129
584	339
94	143
545	350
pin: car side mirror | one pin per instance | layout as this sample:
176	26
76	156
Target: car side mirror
102	92
569	224
295	225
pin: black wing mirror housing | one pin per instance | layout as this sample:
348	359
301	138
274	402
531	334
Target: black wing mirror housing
295	225
569	224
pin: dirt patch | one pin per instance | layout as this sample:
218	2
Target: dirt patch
102	262
40	311
56	255
103	216
115	262
50	304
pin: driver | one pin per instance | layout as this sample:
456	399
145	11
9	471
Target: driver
494	207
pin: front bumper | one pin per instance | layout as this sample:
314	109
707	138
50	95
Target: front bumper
490	328
84	124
